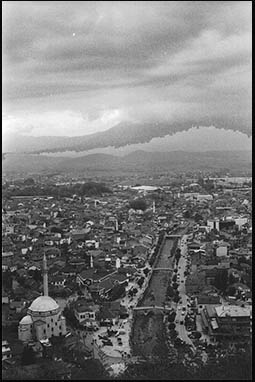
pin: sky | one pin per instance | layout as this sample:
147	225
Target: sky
75	68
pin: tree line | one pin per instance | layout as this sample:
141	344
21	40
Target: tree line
85	189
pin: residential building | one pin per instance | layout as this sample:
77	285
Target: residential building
227	322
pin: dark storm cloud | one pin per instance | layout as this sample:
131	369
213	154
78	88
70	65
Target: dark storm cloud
54	48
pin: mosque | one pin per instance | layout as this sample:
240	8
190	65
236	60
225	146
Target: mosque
44	318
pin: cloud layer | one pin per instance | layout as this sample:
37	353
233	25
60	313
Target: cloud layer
72	68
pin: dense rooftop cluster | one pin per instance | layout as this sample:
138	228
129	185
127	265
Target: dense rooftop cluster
102	243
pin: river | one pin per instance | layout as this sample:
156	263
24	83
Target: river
148	332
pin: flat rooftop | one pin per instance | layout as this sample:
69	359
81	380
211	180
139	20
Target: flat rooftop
232	311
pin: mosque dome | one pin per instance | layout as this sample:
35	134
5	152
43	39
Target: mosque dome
43	304
27	320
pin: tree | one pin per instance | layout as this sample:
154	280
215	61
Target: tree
140	281
197	335
232	279
135	291
171	317
117	291
171	326
138	204
29	182
230	368
170	291
173	333
221	279
37	276
92	188
198	217
7	279
231	290
177	255
70	317
28	356
175	285
187	214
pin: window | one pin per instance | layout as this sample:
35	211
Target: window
60	327
44	331
48	325
52	329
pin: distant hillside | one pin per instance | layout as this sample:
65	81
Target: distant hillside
138	160
125	133
29	163
117	136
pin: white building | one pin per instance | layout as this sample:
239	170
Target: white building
222	249
240	221
213	224
44	318
201	197
6	350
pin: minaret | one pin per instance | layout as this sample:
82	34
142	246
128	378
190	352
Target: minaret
45	277
153	207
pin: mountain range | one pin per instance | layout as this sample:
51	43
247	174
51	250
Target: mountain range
237	161
120	135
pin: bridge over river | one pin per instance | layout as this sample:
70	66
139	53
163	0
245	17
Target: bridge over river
148	337
148	332
152	307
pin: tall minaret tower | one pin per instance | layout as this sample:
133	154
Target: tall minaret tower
45	276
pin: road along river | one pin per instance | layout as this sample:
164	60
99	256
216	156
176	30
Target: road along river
148	337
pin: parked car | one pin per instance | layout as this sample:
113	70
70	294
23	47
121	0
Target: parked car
120	332
105	338
107	343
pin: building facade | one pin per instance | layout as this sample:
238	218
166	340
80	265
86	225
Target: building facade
44	318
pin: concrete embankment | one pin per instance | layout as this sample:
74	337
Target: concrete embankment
148	331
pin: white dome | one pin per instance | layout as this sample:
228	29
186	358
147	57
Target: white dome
27	320
43	304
